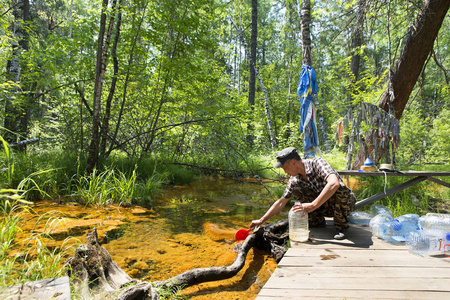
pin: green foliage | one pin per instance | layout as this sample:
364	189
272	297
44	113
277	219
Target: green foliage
183	84
171	293
440	135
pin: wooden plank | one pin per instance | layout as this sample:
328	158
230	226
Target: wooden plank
55	288
361	283
384	255
404	173
362	258
438	181
389	192
279	294
360	272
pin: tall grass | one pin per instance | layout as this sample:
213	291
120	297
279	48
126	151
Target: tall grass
107	187
9	226
27	260
9	168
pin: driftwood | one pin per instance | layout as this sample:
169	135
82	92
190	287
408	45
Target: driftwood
94	274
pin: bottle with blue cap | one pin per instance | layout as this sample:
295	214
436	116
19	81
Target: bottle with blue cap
395	230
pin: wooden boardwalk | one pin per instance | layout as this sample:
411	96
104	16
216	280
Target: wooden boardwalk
361	267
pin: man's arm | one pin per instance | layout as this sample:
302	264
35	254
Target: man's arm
328	191
272	211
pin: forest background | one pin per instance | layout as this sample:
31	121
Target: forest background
119	98
135	85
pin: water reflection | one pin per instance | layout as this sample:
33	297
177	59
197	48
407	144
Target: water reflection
191	227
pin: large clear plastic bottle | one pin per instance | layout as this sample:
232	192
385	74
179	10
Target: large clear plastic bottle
298	225
428	241
360	218
377	209
435	221
439	215
396	231
414	218
377	220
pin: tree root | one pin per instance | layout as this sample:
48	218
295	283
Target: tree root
94	272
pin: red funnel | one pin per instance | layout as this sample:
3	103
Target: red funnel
241	234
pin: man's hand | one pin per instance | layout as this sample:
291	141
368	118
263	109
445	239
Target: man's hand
304	207
256	223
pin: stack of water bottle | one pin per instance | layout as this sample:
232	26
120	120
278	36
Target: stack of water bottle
428	234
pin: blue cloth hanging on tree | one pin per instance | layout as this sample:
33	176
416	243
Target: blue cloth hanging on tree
307	86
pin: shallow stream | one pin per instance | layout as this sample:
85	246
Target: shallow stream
191	227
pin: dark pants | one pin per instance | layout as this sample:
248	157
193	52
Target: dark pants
339	206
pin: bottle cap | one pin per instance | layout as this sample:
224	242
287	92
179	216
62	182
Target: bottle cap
396	225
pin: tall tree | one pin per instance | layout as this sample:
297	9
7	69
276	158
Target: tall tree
100	70
306	32
418	45
357	41
17	102
252	78
105	124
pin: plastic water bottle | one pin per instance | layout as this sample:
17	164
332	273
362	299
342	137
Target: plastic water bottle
378	209
414	218
428	241
360	218
439	215
435	222
298	225
377	220
396	231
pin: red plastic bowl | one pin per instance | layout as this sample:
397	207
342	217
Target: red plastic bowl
241	234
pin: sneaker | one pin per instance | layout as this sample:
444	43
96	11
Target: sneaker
340	234
322	224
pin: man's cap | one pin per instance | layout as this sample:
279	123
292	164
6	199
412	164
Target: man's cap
285	155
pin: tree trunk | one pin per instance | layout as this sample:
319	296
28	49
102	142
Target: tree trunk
99	76
16	115
252	78
354	73
418	44
105	124
92	271
269	120
125	84
306	33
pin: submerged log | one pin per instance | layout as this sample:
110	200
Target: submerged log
93	272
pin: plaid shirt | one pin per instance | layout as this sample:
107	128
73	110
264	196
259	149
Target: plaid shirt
317	171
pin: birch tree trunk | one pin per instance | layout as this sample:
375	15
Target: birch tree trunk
306	33
16	116
252	78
